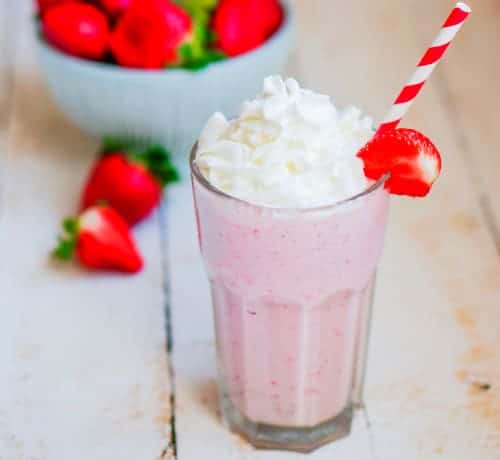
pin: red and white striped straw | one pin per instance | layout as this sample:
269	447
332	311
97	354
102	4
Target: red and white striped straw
426	65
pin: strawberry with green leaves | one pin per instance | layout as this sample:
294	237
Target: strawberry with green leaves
101	240
129	178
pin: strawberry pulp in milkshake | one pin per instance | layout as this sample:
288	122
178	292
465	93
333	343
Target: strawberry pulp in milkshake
291	233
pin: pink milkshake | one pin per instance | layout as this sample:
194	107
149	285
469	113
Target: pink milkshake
291	233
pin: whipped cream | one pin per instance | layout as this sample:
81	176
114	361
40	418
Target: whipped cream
288	148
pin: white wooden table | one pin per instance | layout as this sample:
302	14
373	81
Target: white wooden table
84	367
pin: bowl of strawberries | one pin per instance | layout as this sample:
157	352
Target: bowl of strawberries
156	69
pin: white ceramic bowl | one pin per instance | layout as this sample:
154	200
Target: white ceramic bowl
169	106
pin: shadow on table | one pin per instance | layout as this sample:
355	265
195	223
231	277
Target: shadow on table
206	393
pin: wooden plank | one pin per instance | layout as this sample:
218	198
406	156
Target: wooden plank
457	234
84	370
6	74
470	90
433	377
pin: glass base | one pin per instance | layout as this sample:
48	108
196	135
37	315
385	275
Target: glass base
298	439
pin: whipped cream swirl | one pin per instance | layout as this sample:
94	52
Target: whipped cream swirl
288	148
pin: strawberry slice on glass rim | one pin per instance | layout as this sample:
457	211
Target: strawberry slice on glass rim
411	159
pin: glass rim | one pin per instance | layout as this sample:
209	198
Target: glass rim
201	179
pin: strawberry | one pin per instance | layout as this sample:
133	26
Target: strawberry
115	7
130	182
44	5
268	13
150	34
101	239
242	25
411	158
77	28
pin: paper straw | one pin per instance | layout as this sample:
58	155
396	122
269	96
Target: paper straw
426	65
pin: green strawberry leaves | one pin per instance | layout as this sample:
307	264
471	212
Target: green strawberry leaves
194	60
157	160
198	52
199	4
154	157
67	241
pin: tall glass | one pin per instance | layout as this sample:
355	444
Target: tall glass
292	294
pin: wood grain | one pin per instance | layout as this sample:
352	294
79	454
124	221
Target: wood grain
7	42
84	370
470	90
